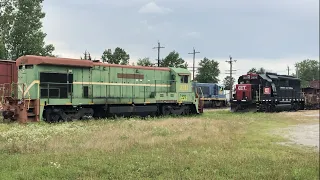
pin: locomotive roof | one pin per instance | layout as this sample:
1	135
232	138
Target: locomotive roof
34	60
265	77
181	71
273	76
270	76
276	76
30	59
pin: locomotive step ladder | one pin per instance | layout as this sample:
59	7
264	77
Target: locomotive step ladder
15	106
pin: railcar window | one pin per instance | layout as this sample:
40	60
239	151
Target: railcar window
205	90
26	66
184	79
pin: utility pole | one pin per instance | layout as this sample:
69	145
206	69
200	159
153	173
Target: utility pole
85	55
288	69
194	57
297	70
230	61
159	47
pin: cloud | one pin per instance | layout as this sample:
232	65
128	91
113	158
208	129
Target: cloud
192	34
153	8
146	24
258	34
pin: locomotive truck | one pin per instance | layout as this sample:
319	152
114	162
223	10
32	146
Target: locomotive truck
267	92
60	89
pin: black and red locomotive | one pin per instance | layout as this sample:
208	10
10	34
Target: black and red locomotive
268	92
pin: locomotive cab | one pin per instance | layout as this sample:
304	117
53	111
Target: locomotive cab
248	87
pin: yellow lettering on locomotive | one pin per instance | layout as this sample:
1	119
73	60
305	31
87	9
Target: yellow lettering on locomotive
183	97
183	87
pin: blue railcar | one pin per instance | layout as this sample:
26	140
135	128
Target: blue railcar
213	94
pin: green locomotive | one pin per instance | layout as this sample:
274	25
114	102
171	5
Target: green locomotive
61	89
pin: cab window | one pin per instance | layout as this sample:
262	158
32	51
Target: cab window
184	79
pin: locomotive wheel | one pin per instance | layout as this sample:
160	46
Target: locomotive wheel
165	110
55	117
295	106
186	111
52	117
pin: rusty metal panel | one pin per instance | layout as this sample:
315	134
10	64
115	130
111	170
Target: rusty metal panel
130	76
8	72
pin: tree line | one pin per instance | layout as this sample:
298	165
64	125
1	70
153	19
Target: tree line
21	34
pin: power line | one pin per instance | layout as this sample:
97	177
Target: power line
194	57
158	47
230	61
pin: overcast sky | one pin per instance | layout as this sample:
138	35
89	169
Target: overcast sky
270	34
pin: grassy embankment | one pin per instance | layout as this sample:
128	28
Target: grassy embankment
215	145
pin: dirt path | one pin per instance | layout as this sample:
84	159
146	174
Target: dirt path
307	135
303	134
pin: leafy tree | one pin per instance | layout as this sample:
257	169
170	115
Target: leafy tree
259	71
119	56
227	82
107	56
3	51
252	70
173	60
308	70
208	71
144	62
20	28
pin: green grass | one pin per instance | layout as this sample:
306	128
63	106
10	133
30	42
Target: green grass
215	145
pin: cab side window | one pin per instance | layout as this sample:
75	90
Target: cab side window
184	79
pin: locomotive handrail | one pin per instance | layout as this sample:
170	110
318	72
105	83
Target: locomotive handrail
157	86
9	90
